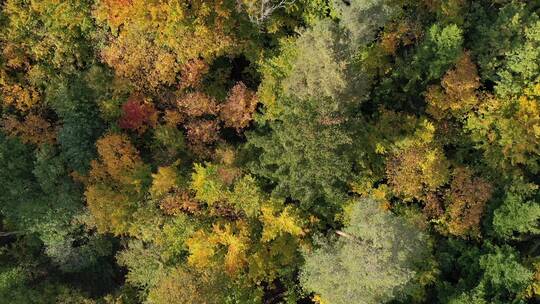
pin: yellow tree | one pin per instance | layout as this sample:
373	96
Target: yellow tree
457	94
153	41
508	129
34	129
164	180
467	199
417	165
116	183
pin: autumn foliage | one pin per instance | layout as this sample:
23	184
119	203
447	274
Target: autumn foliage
416	172
457	94
467	199
115	183
137	115
34	129
237	111
269	151
192	73
197	104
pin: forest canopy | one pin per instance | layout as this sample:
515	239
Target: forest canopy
269	151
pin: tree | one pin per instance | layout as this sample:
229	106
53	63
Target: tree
518	213
207	185
164	181
375	259
41	39
144	263
20	190
417	171
117	181
182	286
417	165
246	196
458	94
314	66
318	68
442	48
51	33
467	198
137	114
34	129
197	104
73	100
201	133
192	73
153	43
19	96
506	131
305	153
276	225
237	111
169	140
361	19
506	43
504	276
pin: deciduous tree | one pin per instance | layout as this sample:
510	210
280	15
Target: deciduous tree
237	111
137	114
34	129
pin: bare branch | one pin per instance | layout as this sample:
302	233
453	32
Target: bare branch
349	237
3	234
259	11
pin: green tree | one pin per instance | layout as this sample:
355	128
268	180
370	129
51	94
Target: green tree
73	100
362	18
519	211
376	258
305	153
504	276
506	44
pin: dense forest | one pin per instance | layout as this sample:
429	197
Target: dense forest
269	151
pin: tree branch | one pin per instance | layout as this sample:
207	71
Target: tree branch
3	234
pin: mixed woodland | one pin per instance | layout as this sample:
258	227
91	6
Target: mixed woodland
269	151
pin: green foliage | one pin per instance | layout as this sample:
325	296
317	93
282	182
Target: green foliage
491	274
246	196
17	184
144	264
441	48
304	155
503	272
519	212
74	102
318	69
206	184
376	258
362	18
170	140
505	42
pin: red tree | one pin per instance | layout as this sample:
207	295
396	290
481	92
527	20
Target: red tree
137	114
